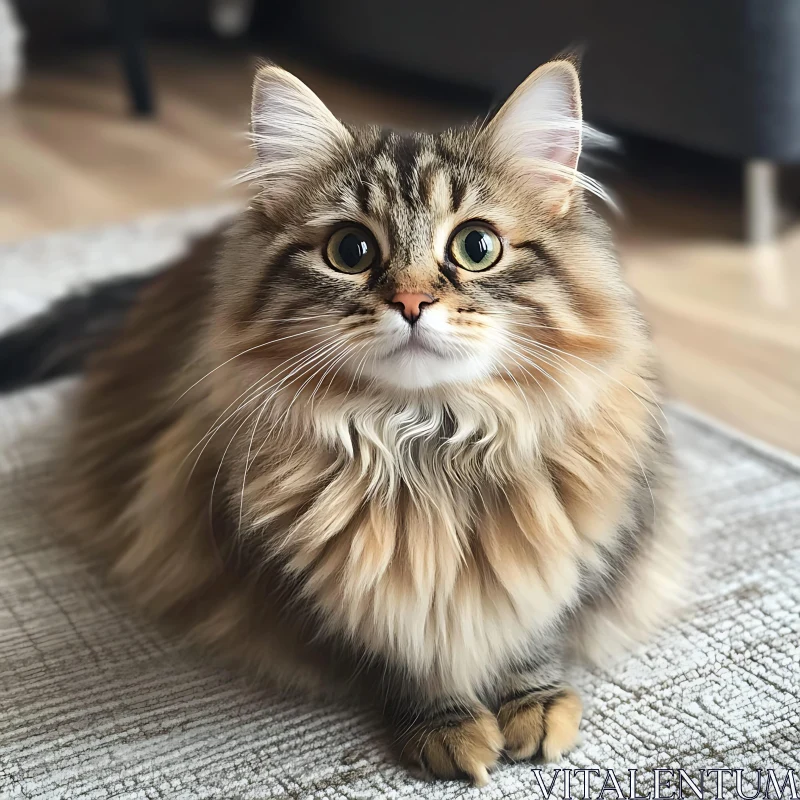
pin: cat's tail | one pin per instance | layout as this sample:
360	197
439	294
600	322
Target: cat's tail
56	342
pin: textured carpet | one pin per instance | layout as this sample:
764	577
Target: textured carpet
95	703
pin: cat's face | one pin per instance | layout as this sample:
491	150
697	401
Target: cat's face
415	261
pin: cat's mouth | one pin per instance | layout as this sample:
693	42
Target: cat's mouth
415	344
422	359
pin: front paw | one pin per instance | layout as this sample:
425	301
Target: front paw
455	744
543	722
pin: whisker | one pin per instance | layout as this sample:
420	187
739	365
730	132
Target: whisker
560	385
337	360
348	353
595	367
306	318
303	386
508	351
556	351
293	369
538	367
248	462
357	373
263	407
522	321
356	352
631	446
284	417
250	350
257	389
240	426
219	469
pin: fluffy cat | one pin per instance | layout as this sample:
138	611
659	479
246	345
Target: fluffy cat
396	429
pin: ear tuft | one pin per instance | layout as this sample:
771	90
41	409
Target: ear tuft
539	129
292	130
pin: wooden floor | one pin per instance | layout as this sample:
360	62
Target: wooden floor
726	317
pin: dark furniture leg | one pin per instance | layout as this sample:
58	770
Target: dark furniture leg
126	20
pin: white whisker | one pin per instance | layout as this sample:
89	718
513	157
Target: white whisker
250	350
631	446
256	389
556	351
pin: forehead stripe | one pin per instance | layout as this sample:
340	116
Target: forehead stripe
363	195
457	191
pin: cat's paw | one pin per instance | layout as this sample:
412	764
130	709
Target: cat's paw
456	745
543	723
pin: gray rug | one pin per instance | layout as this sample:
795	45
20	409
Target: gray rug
95	704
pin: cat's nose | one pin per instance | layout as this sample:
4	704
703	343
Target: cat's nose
410	304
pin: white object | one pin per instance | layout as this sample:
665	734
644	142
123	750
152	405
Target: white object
761	200
231	18
11	56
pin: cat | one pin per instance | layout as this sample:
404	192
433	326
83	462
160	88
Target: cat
396	430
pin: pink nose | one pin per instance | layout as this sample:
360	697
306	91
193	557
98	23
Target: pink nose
411	304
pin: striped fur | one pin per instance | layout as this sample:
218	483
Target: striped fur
264	459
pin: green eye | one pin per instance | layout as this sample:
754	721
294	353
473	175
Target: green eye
351	249
475	247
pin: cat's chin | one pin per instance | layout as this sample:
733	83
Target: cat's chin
417	369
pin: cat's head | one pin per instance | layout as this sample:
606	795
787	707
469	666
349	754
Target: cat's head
420	261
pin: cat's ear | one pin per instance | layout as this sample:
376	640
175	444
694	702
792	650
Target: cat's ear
538	130
293	131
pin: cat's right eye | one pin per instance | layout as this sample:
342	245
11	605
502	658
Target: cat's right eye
351	249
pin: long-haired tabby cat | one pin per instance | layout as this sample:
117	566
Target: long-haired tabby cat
397	429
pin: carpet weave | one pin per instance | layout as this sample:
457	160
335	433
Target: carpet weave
94	703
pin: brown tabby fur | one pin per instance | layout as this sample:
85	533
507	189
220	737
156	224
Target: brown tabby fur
452	537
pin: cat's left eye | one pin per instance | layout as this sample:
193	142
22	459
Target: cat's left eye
475	247
351	249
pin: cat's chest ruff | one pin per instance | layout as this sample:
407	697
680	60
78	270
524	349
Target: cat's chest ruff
442	544
451	586
436	562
